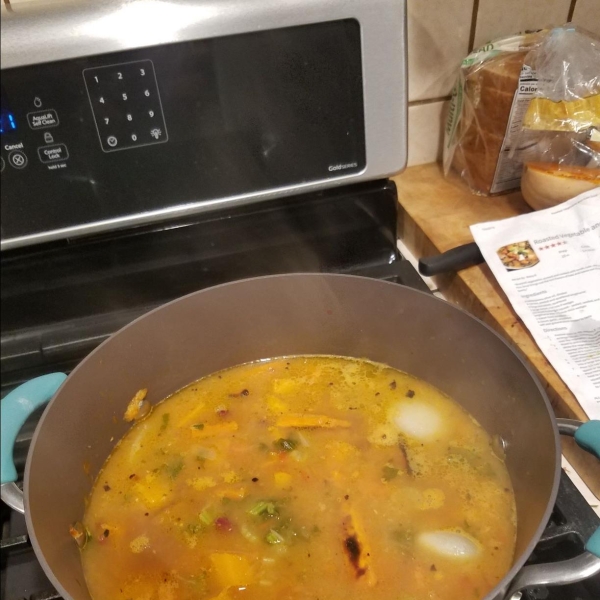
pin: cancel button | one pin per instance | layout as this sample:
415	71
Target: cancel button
53	153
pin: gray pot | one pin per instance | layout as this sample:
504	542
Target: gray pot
275	316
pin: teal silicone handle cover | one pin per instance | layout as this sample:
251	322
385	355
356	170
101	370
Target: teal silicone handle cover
593	544
15	408
588	437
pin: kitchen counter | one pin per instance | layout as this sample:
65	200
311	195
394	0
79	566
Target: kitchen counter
434	216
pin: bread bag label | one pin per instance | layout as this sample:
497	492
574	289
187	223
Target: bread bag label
509	167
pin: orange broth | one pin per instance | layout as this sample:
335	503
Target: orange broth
305	478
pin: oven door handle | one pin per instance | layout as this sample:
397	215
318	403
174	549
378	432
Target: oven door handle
14	410
587	564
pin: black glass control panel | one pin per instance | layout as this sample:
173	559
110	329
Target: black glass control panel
104	138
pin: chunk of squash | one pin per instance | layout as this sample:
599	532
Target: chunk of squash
230	477
235	493
341	451
201	483
285	386
232	570
276	406
152	490
282	480
139	544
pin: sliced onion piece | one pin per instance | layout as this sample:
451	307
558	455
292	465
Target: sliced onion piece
450	544
417	420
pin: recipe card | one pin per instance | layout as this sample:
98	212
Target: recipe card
548	264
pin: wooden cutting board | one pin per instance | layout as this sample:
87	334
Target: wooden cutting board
434	216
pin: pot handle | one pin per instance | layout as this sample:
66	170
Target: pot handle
587	435
14	410
456	259
587	564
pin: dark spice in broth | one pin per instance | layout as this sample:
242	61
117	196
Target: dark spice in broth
301	478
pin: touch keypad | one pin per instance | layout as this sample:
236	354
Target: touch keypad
126	105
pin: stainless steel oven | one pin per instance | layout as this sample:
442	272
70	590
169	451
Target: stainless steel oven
118	114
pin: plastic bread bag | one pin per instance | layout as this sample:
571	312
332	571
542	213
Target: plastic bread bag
489	100
559	141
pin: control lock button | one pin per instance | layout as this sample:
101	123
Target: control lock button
42	119
53	153
17	159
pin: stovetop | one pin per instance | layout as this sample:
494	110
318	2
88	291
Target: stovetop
60	301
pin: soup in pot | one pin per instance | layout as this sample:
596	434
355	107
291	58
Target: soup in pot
304	478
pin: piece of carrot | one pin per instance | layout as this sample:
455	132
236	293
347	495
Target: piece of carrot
211	430
357	546
303	421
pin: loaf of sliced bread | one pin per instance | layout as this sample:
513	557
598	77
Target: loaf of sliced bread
489	91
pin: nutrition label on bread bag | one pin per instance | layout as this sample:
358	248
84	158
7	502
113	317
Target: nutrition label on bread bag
548	264
509	167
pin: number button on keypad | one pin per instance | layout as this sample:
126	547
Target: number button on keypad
126	105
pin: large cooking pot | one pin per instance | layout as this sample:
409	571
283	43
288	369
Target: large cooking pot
275	316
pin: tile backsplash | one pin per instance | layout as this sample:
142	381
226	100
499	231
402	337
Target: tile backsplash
587	14
496	18
434	53
440	35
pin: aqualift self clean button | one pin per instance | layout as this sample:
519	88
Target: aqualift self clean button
42	119
53	153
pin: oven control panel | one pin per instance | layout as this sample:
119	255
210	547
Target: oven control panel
125	101
104	142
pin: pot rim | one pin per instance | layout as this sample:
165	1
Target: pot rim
498	590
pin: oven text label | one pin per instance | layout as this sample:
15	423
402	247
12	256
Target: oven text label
342	166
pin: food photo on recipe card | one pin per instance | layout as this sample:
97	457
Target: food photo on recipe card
548	264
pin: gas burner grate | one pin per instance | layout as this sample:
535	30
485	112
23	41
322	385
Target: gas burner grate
46	596
15	543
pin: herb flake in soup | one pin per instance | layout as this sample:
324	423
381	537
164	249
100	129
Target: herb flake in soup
304	478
